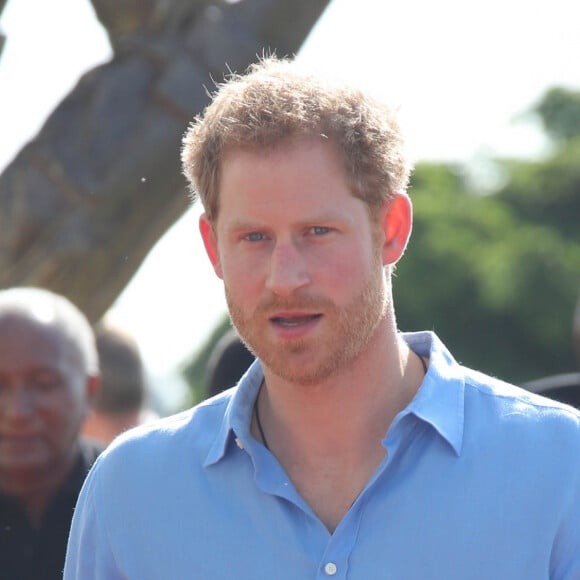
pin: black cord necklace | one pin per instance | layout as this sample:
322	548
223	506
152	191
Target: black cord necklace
260	428
257	406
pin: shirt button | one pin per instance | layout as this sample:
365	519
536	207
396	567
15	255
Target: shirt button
330	568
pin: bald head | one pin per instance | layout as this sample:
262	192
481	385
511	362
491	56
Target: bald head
54	311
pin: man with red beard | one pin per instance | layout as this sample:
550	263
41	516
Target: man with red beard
348	449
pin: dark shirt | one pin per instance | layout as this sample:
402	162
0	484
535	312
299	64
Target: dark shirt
30	553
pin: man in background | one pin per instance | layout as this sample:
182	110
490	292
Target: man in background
121	401
229	360
48	374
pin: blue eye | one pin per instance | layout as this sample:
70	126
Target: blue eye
254	237
319	230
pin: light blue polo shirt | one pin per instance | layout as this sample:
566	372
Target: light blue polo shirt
481	480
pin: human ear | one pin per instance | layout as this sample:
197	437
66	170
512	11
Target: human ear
210	243
93	385
396	222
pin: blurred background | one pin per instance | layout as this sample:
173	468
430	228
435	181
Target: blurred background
95	96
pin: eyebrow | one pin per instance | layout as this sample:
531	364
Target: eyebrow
332	217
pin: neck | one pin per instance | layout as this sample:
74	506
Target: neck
328	436
310	419
105	427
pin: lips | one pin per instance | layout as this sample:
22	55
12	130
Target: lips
293	320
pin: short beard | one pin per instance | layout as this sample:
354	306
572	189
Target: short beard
353	328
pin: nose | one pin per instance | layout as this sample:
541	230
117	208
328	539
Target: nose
287	269
16	401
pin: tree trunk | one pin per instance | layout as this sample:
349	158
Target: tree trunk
86	200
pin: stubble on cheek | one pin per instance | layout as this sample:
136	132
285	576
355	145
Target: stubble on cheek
346	333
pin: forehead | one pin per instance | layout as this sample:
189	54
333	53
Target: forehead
30	341
296	175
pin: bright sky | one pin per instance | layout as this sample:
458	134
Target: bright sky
462	73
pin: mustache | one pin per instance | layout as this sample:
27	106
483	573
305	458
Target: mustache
273	304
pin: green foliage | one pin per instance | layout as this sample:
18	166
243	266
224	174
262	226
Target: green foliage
548	193
559	111
496	276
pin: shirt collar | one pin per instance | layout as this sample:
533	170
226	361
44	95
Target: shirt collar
238	414
440	401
